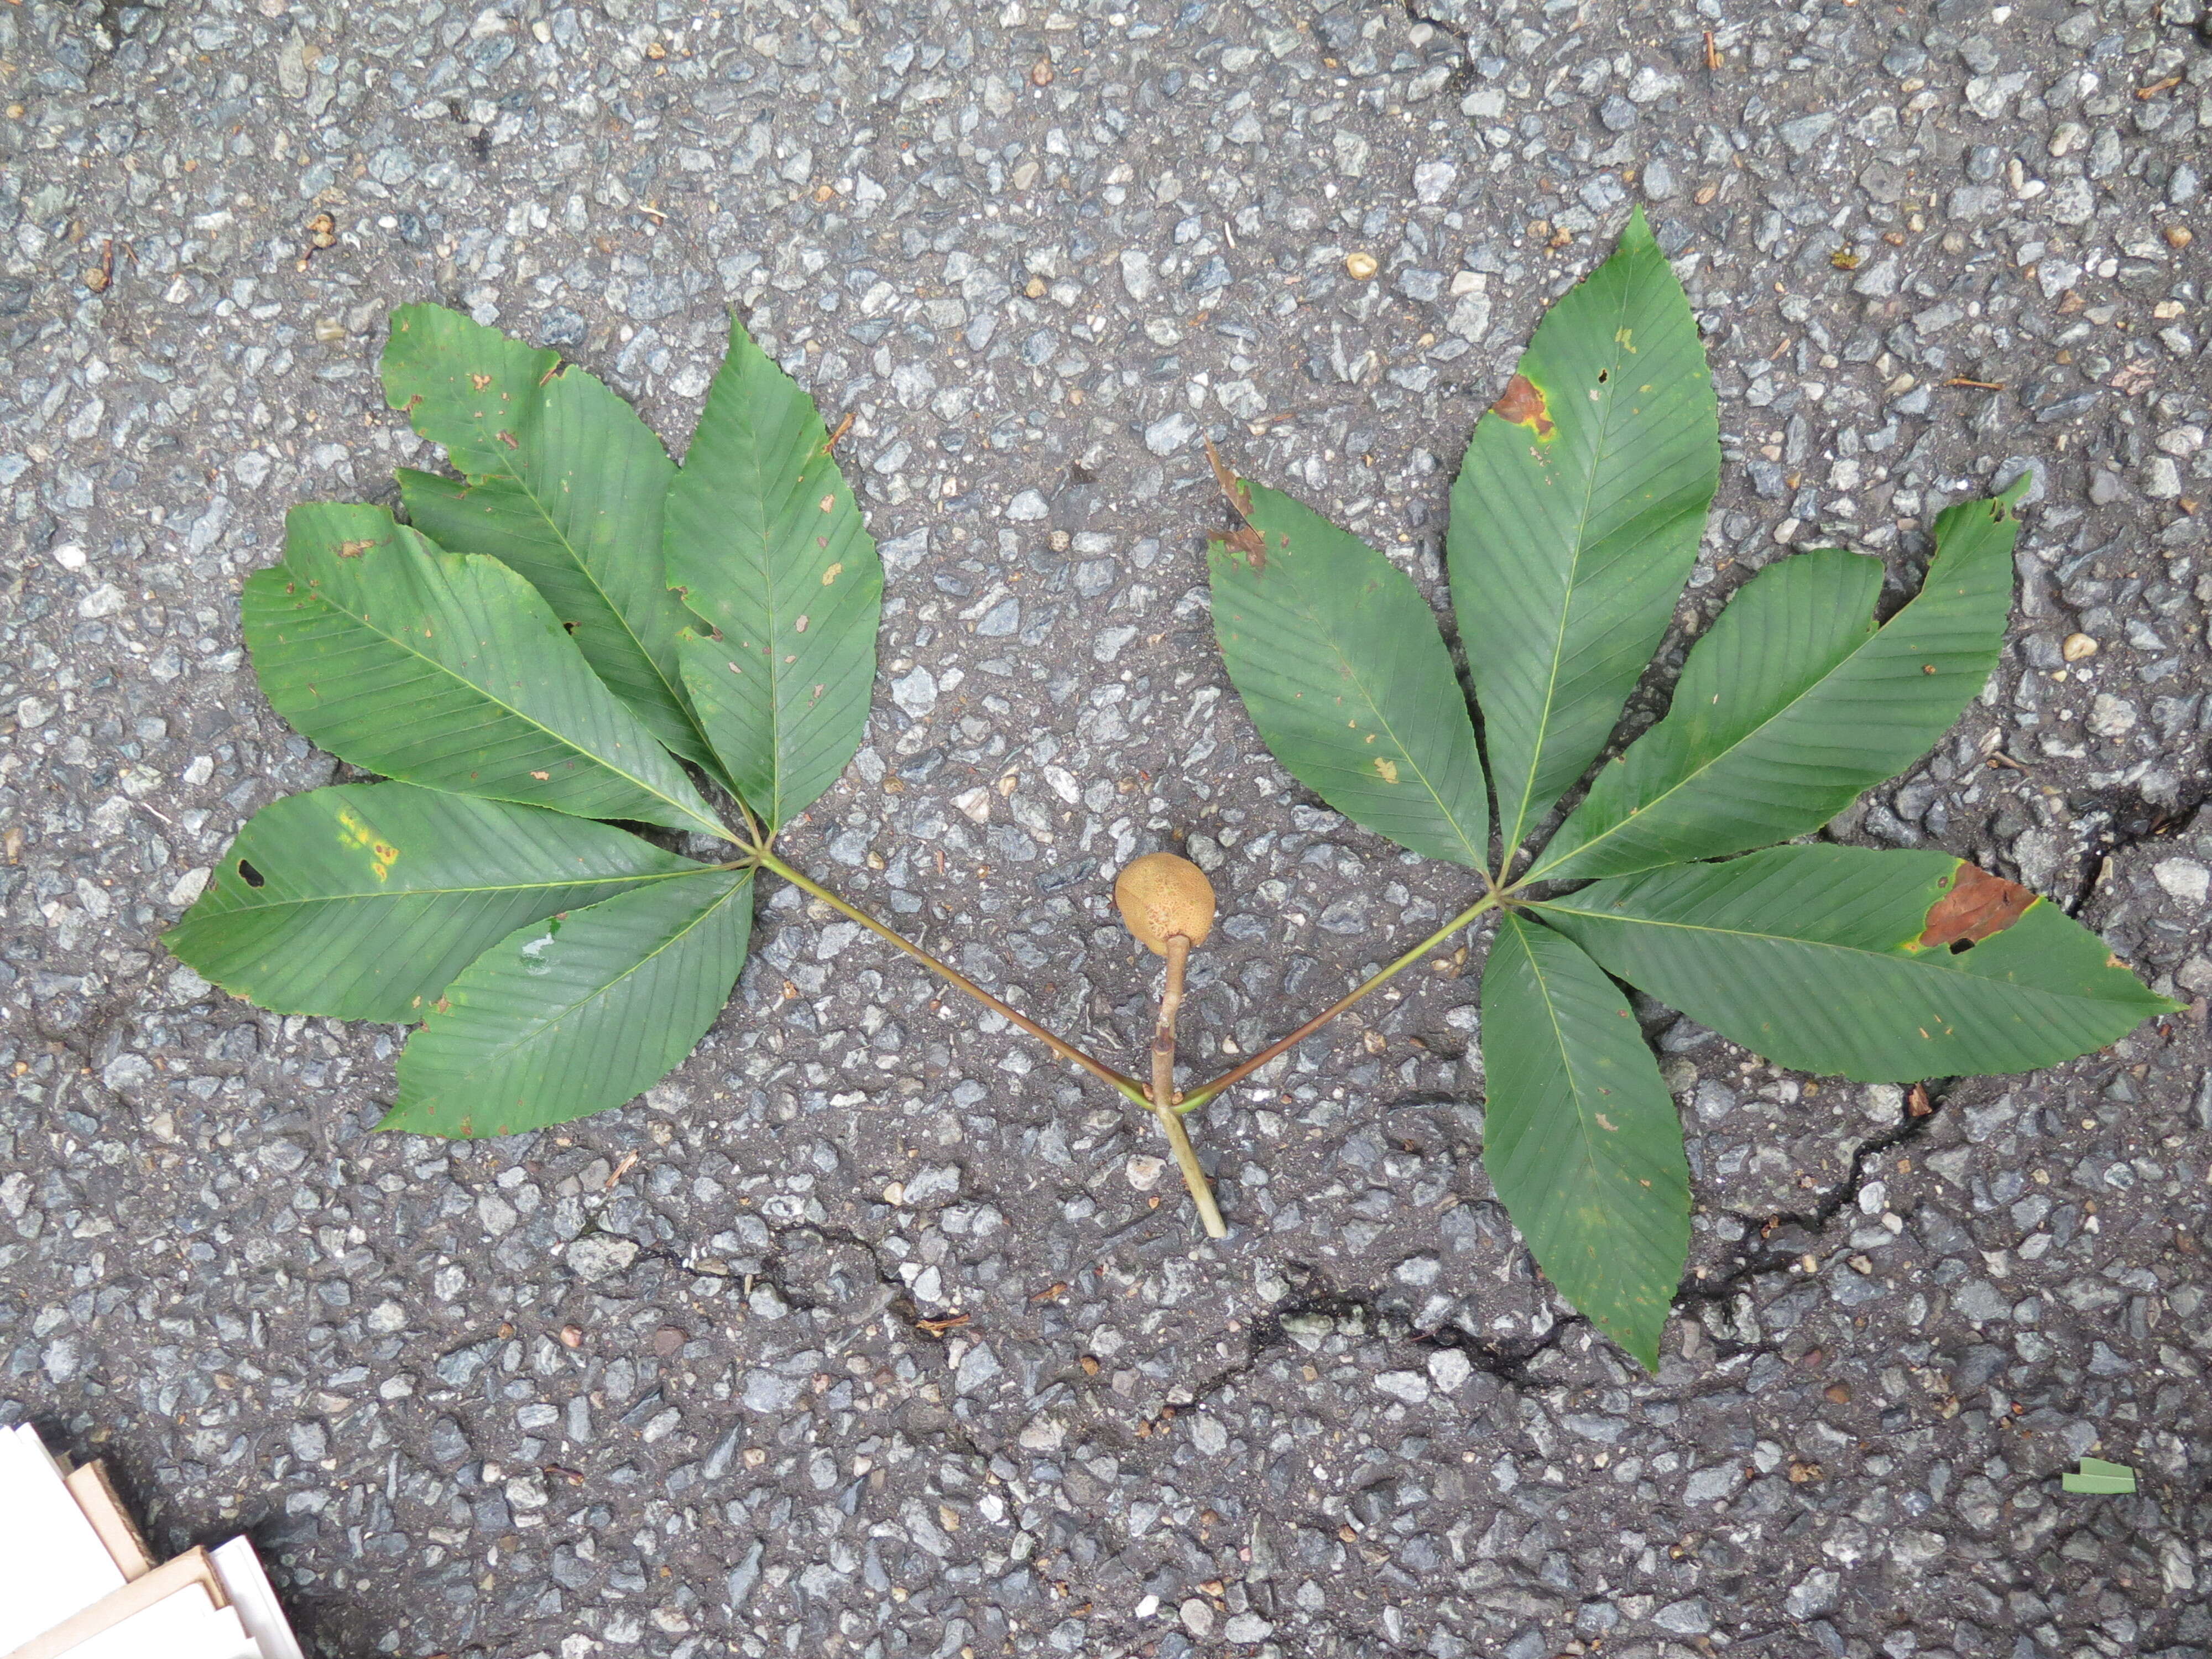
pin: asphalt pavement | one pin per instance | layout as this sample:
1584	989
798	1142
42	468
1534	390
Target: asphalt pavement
873	1330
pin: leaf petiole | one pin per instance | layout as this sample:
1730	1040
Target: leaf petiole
1129	1087
1186	1155
1197	1098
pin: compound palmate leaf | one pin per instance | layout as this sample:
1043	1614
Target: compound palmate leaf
363	901
1337	657
1576	518
578	1012
1581	1137
764	541
1880	966
448	671
1795	702
563	482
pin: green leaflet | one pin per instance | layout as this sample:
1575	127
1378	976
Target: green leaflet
2094	1474
363	901
764	541
1794	703
1338	661
447	671
578	1012
1580	1138
1576	518
564	483
1811	956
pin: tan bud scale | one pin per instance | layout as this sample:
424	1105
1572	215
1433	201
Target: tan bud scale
1160	895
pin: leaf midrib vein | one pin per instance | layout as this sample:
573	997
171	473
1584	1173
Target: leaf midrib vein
1641	814
397	893
1511	838
1566	1055
1351	672
547	1020
1937	962
322	597
675	697
756	528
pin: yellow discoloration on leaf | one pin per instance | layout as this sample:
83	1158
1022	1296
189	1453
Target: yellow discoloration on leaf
1606	1123
480	381
353	550
833	573
1624	339
1386	769
382	855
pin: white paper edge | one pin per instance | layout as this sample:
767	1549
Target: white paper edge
239	1568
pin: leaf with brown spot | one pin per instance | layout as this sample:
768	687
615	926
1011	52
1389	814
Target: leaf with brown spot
1860	964
1523	404
1975	905
448	671
562	481
1238	492
1337	658
1250	543
766	537
1575	519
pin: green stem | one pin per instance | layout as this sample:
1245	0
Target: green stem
1068	1051
1186	1155
753	837
1197	1098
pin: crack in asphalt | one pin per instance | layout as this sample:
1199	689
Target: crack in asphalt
1816	1220
1415	14
1510	1363
2135	820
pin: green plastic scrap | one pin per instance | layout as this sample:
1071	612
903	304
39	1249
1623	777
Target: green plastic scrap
2099	1476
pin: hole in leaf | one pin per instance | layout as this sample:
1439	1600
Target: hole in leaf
251	877
1961	946
570	626
1604	375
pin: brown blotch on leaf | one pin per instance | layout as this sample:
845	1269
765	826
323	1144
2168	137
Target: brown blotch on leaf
1246	537
1251	544
1523	404
1233	487
1974	905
